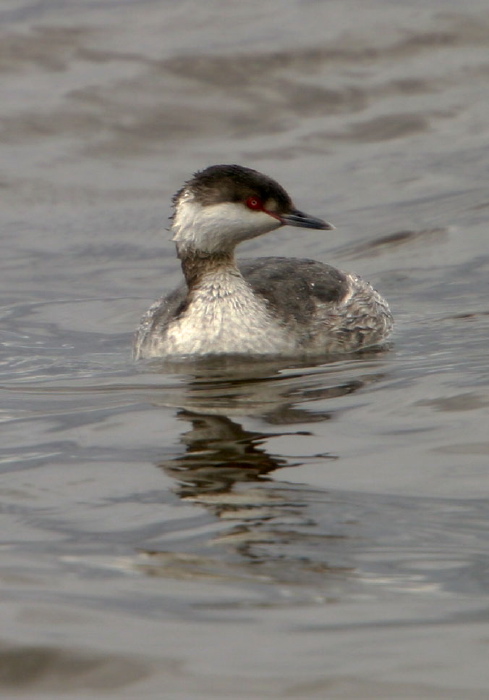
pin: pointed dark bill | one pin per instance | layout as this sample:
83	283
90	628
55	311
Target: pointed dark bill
298	218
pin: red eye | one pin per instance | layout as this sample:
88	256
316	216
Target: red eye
254	203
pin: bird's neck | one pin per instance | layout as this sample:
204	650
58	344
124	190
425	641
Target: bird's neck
199	266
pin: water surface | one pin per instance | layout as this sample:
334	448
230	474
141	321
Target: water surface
243	530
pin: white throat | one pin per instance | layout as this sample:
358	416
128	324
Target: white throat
216	228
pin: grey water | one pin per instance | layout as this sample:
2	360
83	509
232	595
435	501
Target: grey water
236	529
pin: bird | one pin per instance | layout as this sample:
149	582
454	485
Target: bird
269	306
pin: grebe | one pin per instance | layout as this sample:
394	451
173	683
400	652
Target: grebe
266	306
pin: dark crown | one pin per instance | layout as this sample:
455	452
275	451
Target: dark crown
234	183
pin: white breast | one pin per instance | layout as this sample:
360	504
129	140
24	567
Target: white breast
225	317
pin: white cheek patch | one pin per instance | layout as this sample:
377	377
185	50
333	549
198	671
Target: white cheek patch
218	227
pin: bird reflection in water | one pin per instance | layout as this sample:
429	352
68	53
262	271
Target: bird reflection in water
263	521
220	453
